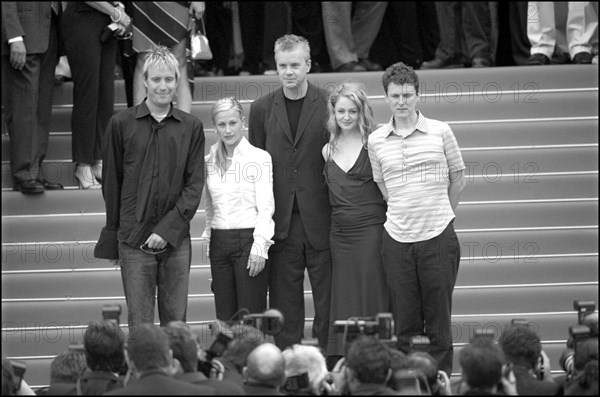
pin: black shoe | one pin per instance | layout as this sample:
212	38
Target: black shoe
31	186
50	185
369	65
560	58
479	62
538	59
582	58
449	63
351	67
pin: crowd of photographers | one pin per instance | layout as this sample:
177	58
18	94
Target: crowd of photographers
241	360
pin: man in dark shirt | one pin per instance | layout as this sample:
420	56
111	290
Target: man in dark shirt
153	175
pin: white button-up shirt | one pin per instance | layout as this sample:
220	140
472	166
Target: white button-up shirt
242	197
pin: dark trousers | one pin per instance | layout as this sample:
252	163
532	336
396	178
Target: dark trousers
234	289
93	69
143	274
421	278
414	27
277	23
252	34
468	22
288	259
28	108
307	21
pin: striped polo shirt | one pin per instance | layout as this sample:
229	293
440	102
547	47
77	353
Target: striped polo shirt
415	169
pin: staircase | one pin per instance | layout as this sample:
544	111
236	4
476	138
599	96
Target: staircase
527	221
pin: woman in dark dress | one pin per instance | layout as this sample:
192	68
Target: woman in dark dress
357	212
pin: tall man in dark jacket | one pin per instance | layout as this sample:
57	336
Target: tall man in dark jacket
289	123
29	56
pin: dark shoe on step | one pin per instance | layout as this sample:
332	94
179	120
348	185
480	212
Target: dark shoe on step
438	63
561	58
479	62
582	58
350	67
51	185
369	65
538	59
31	186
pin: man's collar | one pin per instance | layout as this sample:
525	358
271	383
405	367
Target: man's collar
422	125
143	111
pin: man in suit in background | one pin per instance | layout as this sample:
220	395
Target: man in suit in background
29	57
289	123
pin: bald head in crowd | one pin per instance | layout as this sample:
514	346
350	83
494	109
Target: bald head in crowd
265	366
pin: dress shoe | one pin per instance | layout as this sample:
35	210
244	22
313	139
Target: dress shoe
51	185
560	58
350	67
31	186
582	58
480	62
369	65
538	59
450	63
86	179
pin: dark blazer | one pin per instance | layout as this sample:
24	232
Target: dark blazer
297	163
156	382
30	19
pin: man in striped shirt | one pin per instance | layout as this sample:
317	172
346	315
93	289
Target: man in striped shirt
418	167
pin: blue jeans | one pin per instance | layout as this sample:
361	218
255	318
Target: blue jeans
421	278
142	273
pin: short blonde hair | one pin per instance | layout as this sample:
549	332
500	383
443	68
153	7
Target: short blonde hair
161	56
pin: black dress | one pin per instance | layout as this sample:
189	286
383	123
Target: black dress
357	218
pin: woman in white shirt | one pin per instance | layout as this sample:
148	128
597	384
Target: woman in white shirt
239	214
